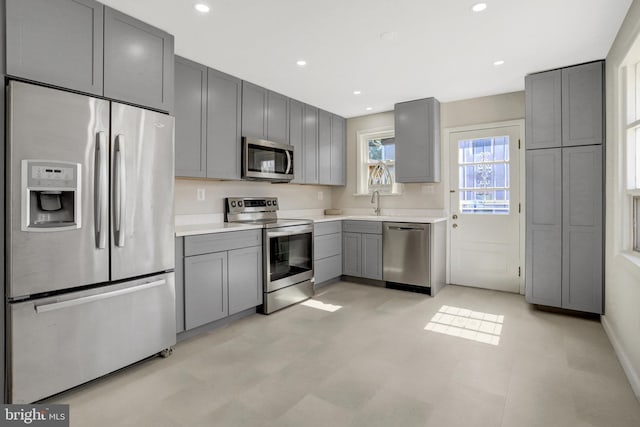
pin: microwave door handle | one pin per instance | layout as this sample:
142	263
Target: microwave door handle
100	191
119	191
288	162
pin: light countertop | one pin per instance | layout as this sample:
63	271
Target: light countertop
223	227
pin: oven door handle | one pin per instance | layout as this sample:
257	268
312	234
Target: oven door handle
289	231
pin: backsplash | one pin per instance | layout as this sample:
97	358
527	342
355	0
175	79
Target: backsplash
290	196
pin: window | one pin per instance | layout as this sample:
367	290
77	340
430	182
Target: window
483	168
377	162
631	94
636	223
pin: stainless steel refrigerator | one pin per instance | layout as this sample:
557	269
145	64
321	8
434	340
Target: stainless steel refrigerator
90	232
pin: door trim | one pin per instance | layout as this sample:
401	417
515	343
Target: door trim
445	145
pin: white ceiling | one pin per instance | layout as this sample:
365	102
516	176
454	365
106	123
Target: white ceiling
441	48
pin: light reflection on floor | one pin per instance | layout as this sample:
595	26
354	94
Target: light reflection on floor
320	305
467	324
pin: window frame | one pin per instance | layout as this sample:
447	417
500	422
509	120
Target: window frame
630	135
363	161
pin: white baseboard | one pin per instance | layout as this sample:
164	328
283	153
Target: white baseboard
632	374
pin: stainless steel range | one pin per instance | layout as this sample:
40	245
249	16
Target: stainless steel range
287	250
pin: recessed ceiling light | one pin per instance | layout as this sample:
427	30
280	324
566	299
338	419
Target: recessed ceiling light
301	63
356	92
388	35
498	63
202	8
479	7
369	108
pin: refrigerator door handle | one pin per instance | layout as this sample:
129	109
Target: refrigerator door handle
101	190
119	196
83	300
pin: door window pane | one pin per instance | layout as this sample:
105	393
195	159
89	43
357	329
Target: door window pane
484	175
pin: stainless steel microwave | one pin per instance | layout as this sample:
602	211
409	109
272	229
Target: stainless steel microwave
266	160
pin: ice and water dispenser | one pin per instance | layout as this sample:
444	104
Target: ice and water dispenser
50	195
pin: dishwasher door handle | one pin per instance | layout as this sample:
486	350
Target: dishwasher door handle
407	229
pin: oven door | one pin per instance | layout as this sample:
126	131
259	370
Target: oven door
267	160
288	256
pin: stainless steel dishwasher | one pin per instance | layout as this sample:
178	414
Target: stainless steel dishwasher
406	253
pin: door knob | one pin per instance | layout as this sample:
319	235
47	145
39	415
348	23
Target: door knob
455	225
455	217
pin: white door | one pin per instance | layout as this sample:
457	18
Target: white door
485	200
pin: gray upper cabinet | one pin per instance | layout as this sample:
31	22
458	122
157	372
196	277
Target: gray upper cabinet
254	111
310	144
544	227
338	150
296	131
56	42
138	62
265	114
324	147
582	206
582	104
277	117
543	109
224	109
191	118
417	134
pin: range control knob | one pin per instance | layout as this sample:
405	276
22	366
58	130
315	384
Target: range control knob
240	204
268	202
275	202
233	204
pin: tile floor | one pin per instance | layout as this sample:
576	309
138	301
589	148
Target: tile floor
372	363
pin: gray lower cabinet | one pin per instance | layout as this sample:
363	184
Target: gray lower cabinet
191	119
207	112
56	42
331	149
362	249
417	136
265	114
221	275
296	132
327	251
138	62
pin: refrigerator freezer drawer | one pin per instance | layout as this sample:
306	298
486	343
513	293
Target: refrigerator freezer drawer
63	341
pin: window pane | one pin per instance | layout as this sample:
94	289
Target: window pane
375	149
484	202
635	85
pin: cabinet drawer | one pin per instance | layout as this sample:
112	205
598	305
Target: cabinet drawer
327	245
323	228
328	268
216	242
371	227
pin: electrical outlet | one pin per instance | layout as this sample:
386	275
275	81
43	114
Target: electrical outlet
428	189
200	195
320	195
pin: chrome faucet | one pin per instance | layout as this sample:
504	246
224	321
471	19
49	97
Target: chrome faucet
373	197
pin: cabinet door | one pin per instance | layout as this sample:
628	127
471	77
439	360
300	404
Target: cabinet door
277	118
372	256
296	125
582	104
179	273
56	42
324	147
352	254
338	150
582	269
310	144
544	227
245	279
543	104
138	62
205	289
224	140
254	111
191	118
418	141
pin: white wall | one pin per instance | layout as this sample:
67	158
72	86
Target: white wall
488	109
290	196
622	277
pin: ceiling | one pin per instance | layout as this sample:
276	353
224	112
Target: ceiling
438	48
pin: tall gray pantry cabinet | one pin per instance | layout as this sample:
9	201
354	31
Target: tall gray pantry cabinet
564	187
